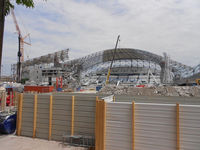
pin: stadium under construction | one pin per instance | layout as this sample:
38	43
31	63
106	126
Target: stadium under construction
130	66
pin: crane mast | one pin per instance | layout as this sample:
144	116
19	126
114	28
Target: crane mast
21	45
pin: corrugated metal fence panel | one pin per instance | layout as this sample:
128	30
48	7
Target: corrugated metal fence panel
123	98
27	115
61	116
155	127
42	129
84	115
190	127
84	118
118	126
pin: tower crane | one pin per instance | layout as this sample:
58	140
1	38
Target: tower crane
21	45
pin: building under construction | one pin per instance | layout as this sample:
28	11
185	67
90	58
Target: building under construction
130	66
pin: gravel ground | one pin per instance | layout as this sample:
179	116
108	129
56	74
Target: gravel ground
12	142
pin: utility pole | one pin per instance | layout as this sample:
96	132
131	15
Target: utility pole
109	70
2	19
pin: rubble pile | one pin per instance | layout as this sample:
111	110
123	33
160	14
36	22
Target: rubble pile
18	87
186	91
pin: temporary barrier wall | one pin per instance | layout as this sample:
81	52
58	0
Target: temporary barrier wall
189	127
50	117
143	126
116	125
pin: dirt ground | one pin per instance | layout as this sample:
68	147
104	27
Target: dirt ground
12	142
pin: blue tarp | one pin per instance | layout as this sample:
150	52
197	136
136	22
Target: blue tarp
7	123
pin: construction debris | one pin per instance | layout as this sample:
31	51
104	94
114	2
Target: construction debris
186	91
18	87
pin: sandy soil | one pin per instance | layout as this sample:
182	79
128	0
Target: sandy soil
12	142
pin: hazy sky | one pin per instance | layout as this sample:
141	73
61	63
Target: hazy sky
87	26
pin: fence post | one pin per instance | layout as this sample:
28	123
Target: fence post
15	98
19	114
17	123
50	116
100	125
72	119
97	122
3	101
104	125
114	99
133	125
177	127
35	115
97	125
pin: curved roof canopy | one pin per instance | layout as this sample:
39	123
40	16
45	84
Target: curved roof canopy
128	53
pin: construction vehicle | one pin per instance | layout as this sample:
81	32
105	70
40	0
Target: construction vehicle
198	81
109	69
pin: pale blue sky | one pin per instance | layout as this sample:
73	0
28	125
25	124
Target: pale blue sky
86	26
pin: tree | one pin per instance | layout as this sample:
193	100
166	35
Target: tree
9	5
5	6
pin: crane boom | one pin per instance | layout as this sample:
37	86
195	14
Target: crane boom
109	69
15	21
22	42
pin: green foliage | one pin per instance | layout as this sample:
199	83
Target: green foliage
27	3
9	5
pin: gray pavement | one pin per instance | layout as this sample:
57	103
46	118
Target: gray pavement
12	142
